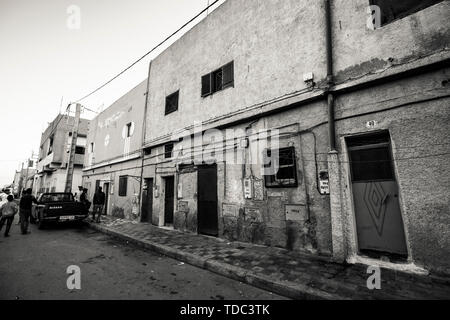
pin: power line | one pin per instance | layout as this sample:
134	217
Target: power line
149	52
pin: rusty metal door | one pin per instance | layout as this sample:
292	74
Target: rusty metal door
207	214
106	191
169	199
379	222
147	201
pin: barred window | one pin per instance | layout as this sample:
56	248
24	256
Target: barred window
285	163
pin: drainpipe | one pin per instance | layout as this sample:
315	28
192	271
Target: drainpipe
337	223
330	80
144	131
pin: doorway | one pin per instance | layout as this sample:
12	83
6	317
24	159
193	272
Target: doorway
207	200
106	191
169	200
147	201
379	224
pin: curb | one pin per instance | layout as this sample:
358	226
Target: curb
284	288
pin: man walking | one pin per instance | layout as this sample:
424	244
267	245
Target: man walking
25	205
99	202
7	213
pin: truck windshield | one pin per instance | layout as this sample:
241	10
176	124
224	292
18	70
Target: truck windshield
58	197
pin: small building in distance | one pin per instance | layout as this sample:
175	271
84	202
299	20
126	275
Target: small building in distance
54	154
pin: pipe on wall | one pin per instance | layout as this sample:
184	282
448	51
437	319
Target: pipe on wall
330	80
144	132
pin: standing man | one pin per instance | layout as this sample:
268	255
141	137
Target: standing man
99	202
26	202
7	213
78	194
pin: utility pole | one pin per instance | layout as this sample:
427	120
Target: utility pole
28	167
21	181
71	162
26	175
144	132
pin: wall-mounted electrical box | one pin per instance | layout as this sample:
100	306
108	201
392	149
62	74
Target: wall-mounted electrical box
308	77
324	183
244	143
180	190
248	188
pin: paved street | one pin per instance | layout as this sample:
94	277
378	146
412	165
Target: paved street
289	273
34	267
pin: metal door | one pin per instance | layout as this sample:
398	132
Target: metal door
169	200
147	201
207	201
106	191
375	193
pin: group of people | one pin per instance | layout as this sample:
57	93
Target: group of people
9	208
99	201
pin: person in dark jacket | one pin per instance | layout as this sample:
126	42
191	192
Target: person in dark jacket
26	202
84	198
99	202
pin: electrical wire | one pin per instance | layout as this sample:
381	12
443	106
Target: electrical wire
149	52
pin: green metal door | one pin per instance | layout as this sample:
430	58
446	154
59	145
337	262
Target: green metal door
379	222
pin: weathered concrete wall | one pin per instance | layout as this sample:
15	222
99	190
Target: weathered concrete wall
118	206
273	43
185	217
115	154
107	129
60	128
266	221
416	113
261	221
266	65
360	51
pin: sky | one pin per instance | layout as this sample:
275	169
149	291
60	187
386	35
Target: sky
53	52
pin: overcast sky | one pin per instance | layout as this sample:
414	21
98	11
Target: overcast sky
44	59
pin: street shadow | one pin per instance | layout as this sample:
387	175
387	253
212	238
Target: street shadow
61	226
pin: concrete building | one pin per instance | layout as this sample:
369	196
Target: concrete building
354	113
54	154
113	159
23	179
362	116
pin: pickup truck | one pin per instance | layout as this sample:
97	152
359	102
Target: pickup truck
58	207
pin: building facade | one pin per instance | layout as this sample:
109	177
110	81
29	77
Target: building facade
113	160
54	154
23	179
308	125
